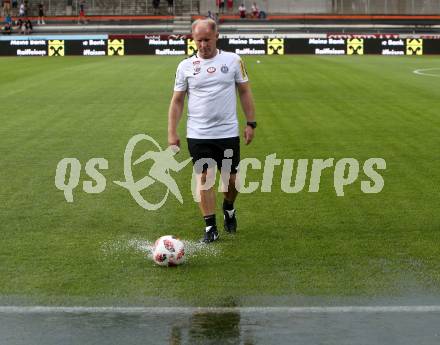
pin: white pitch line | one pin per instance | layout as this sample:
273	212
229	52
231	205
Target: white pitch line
423	70
244	310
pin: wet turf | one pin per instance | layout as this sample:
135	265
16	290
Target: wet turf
287	244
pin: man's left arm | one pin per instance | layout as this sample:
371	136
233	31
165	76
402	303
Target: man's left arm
247	103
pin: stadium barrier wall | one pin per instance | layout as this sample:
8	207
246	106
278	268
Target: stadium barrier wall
108	45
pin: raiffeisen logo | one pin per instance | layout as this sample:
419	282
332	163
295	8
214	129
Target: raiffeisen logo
345	172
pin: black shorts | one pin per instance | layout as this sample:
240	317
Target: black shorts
215	149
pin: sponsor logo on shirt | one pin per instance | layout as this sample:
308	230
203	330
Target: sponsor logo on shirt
211	70
243	70
197	69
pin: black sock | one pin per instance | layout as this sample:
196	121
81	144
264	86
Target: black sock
210	220
227	205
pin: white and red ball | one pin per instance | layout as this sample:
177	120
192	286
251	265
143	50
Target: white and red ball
168	251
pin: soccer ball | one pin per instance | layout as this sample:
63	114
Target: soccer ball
168	251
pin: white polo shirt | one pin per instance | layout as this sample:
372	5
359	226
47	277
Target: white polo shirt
210	85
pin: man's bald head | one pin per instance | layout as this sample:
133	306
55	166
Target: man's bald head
204	24
205	35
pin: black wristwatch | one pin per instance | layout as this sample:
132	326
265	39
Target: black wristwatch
252	124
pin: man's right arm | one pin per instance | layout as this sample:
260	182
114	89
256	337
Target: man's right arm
174	114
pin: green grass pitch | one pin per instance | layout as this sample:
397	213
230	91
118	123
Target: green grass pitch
304	244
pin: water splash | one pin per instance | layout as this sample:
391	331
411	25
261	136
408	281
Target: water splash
192	248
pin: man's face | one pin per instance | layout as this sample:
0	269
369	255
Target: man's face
206	41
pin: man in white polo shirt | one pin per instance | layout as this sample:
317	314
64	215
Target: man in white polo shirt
210	79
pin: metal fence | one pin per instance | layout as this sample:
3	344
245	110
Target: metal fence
139	7
115	7
100	7
387	6
334	6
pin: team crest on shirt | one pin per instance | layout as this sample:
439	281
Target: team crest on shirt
211	70
224	69
196	67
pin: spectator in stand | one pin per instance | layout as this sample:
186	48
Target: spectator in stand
41	13
6	7
7	29
170	6
213	16
22	10
221	6
28	27
14	6
82	12
230	5
20	26
255	11
242	11
156	4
